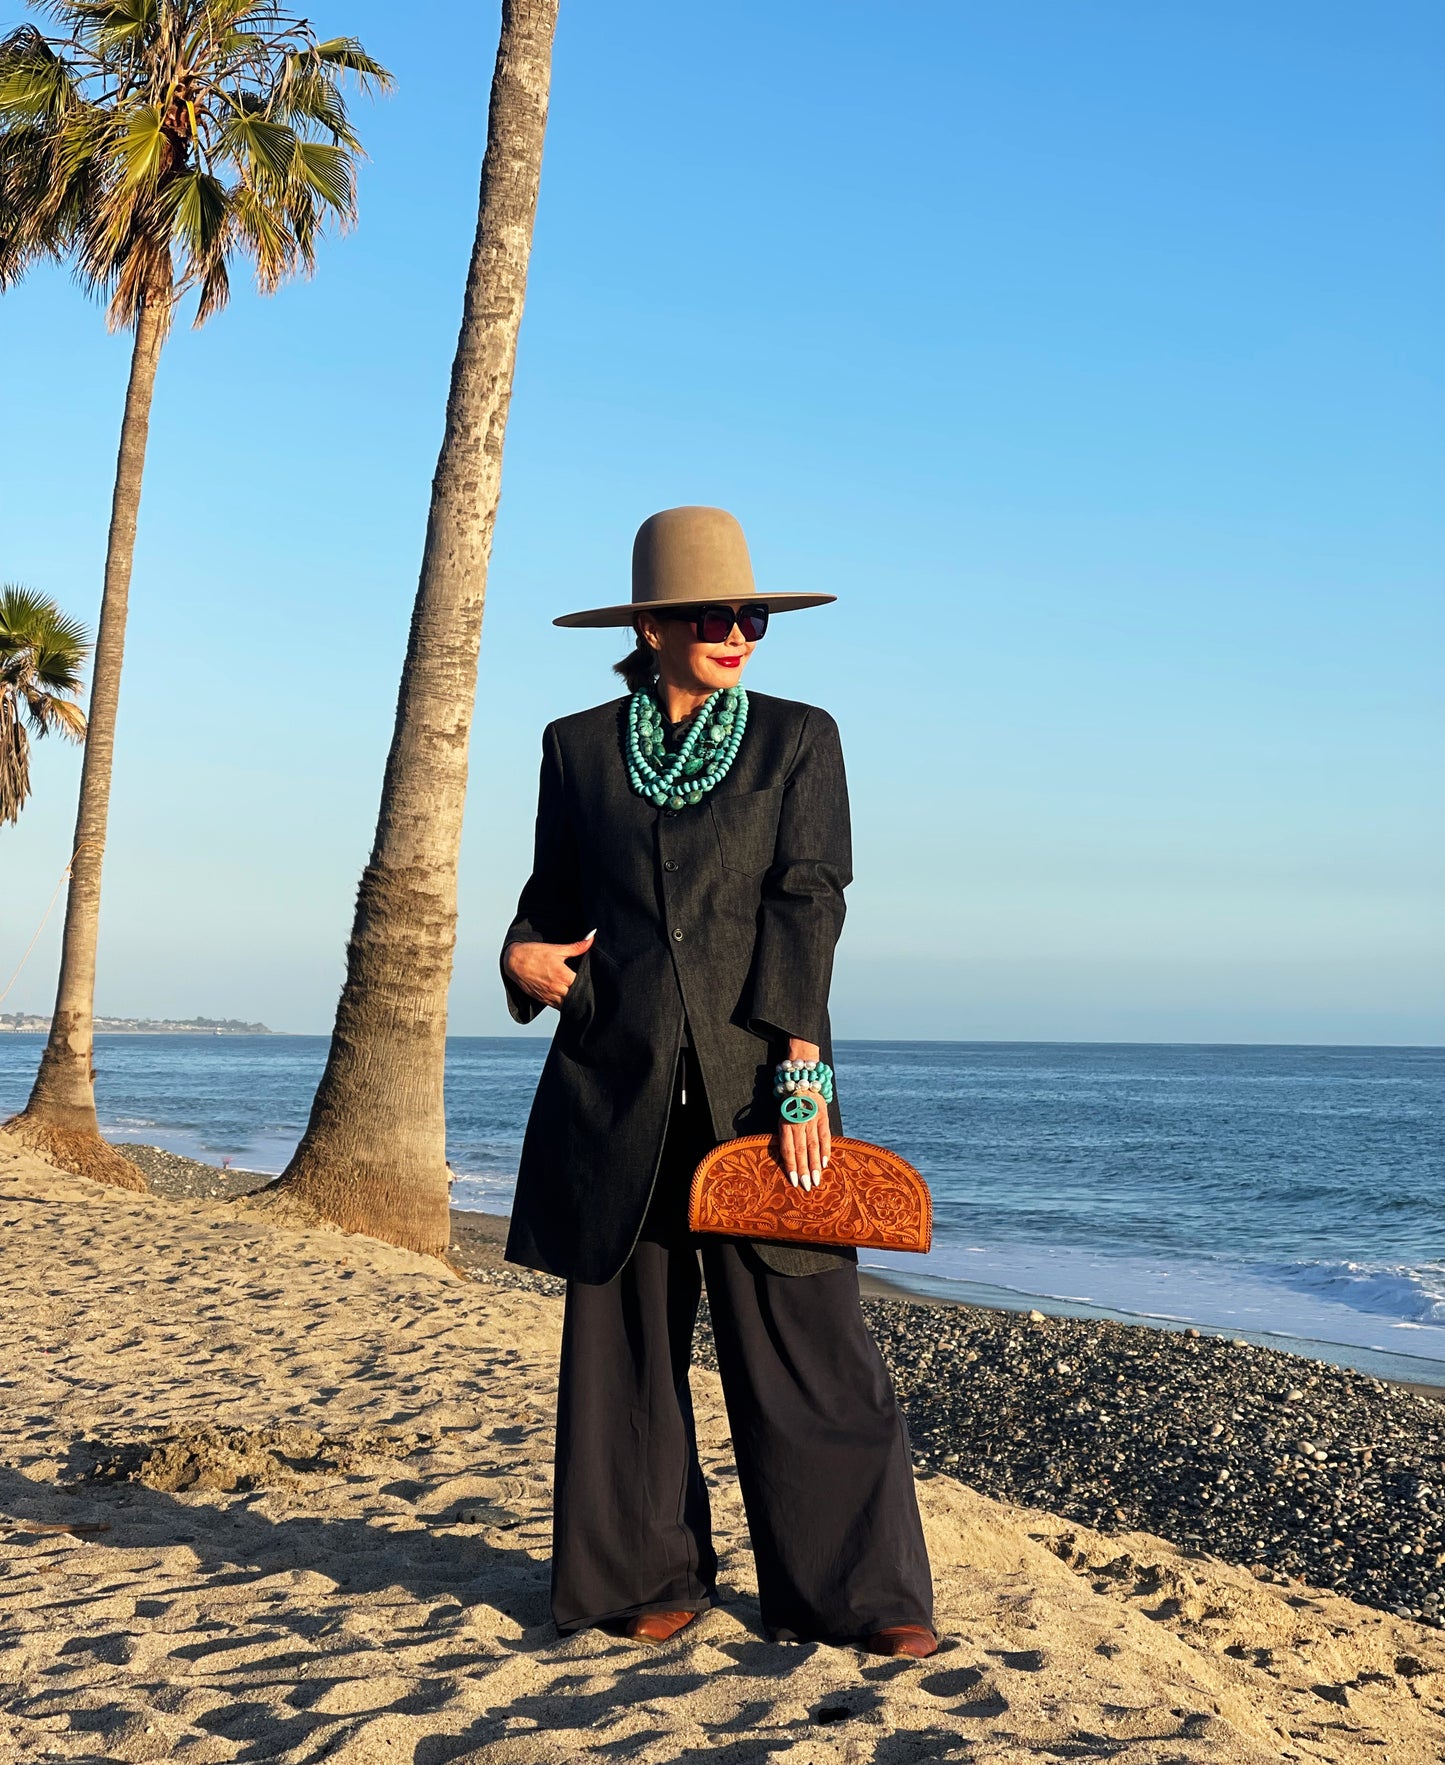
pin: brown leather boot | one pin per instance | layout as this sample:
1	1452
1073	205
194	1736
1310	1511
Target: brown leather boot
658	1626
902	1639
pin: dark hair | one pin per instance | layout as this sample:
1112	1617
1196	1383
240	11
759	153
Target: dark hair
639	666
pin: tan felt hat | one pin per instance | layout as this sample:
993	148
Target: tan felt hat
682	557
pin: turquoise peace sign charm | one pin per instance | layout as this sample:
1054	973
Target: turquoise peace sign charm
799	1108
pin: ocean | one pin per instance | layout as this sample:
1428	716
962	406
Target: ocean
1291	1196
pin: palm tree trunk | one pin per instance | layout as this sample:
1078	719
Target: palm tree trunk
373	1158
59	1119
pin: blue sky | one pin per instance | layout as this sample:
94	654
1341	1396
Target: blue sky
1089	352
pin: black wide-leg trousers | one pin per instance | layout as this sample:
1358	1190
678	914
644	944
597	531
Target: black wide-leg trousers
822	1451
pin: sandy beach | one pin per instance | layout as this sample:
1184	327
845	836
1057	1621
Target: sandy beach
270	1493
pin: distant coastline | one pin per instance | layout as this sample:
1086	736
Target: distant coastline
20	1022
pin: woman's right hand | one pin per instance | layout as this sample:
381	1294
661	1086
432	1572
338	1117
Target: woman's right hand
541	970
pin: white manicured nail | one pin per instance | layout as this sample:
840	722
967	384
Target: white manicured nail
825	1163
817	1178
793	1178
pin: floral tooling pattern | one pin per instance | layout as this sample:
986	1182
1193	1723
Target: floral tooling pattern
870	1197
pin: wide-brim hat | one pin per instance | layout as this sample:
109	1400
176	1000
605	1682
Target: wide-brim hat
682	557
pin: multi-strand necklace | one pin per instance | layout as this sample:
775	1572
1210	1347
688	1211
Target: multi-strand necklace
708	750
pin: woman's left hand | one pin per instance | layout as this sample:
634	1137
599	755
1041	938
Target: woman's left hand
805	1147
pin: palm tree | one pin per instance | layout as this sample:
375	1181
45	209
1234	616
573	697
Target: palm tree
373	1158
149	145
41	652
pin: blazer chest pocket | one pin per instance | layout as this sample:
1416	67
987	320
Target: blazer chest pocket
747	829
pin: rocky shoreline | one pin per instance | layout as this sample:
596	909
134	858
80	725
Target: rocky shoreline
1294	1469
178	1178
1288	1467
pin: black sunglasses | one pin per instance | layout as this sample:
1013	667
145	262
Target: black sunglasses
714	622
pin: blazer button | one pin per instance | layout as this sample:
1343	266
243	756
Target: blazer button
677	933
669	864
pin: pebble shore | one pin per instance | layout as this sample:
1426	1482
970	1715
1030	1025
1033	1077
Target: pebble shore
187	1179
1289	1467
1294	1469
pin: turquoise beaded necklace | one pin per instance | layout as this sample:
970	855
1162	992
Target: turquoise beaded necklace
708	750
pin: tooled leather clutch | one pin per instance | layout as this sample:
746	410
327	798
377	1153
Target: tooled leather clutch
869	1197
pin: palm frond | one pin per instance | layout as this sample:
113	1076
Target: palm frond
143	144
36	209
264	148
215	290
14	760
263	230
36	706
328	171
33	622
123	22
69	719
36	84
226	15
346	52
313	98
201	205
303	223
96	14
41	652
86	133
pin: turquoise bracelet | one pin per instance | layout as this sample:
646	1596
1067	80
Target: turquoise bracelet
803	1075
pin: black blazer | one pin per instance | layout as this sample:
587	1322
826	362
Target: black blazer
728	910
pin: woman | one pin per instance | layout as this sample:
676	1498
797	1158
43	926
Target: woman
702	833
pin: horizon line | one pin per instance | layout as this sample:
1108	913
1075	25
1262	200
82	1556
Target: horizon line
838	1041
